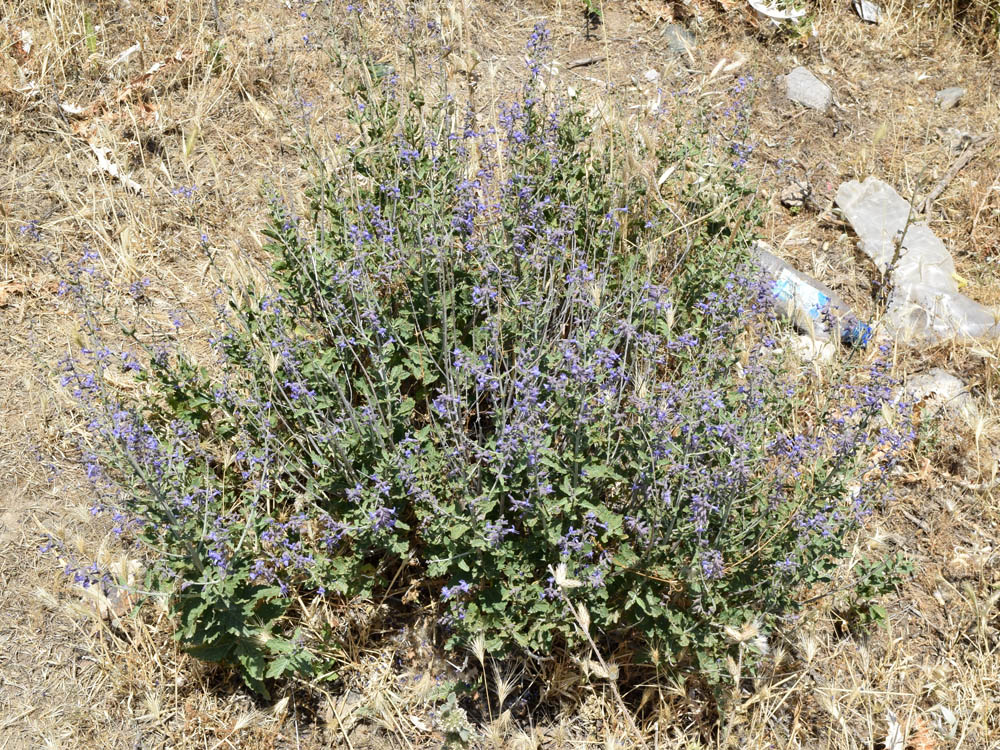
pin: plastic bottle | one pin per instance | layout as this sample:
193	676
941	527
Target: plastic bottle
810	305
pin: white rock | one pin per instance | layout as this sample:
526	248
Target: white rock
809	349
948	98
806	89
940	388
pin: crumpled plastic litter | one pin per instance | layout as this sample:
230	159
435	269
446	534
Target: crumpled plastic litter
925	305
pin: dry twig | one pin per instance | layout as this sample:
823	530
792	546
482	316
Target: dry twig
970	152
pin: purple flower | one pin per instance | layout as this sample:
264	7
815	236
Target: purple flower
382	518
711	564
31	230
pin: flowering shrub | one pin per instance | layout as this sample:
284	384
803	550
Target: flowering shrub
476	367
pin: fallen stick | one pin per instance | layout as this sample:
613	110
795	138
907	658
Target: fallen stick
963	159
980	487
584	62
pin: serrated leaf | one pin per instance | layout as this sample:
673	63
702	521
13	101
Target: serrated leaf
254	667
278	667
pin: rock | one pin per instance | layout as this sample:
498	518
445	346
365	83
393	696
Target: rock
940	388
806	89
680	41
809	349
948	98
959	140
925	304
795	194
868	11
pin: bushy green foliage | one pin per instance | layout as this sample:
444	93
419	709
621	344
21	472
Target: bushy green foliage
874	579
489	354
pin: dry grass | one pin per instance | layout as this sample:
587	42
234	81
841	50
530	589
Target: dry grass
223	111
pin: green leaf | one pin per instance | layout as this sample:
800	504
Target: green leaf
253	667
214	652
405	407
